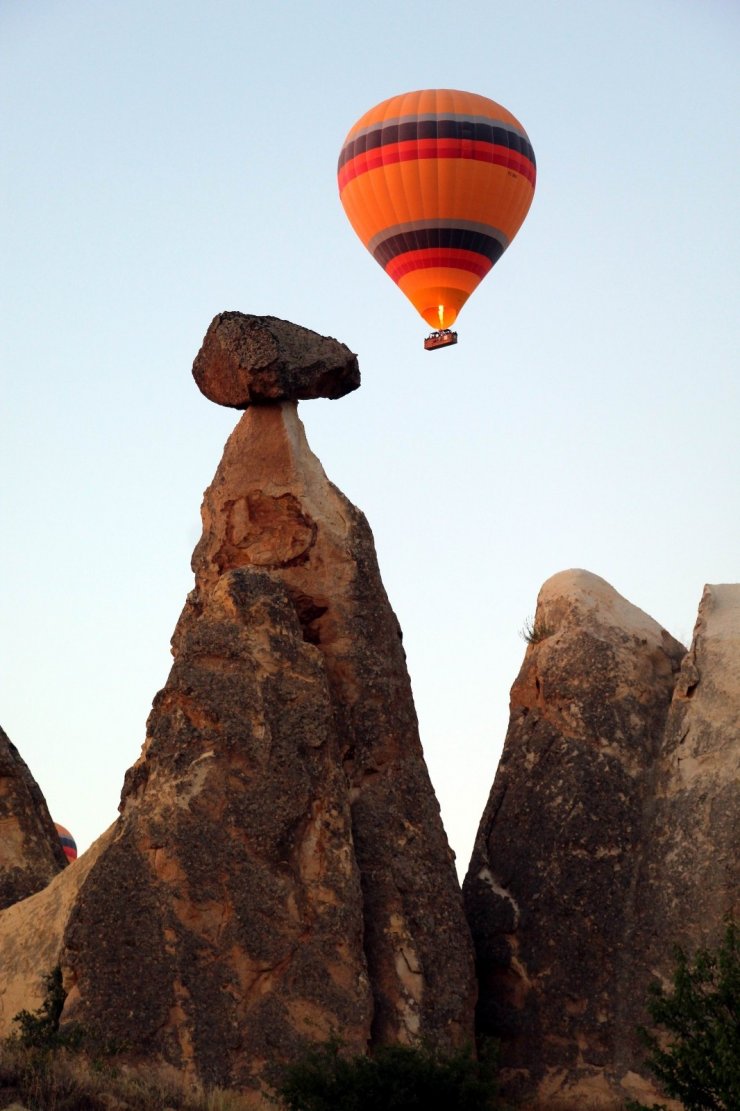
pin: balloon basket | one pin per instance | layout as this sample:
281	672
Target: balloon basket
445	338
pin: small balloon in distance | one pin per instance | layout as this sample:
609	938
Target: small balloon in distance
68	842
436	184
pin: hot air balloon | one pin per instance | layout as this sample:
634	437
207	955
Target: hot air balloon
436	184
68	842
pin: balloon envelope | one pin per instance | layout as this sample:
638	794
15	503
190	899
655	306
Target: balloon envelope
68	842
436	184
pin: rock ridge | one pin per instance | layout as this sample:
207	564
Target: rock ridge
30	850
610	835
279	871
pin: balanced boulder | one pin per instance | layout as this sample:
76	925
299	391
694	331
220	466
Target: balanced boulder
246	360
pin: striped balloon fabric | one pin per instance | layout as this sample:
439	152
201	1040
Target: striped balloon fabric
68	842
436	184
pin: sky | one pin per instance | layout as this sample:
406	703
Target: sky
163	162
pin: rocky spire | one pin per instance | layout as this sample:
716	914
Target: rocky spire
279	868
693	866
553	882
689	867
30	850
610	836
271	506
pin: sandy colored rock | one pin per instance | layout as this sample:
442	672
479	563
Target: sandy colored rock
30	852
279	872
694	861
689	876
246	360
552	881
231	880
31	937
306	532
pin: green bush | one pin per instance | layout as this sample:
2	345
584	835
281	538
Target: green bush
40	1029
697	1060
395	1078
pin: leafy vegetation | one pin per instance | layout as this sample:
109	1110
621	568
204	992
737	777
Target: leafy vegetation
395	1078
50	1069
695	1053
40	1029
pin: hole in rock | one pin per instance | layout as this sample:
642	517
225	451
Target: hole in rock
309	612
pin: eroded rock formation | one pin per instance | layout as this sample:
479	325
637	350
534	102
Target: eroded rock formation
30	851
270	506
32	933
231	876
689	869
246	360
610	835
279	871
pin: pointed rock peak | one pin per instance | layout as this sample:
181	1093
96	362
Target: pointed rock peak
31	853
246	360
592	645
715	649
270	504
719	611
578	598
559	859
280	867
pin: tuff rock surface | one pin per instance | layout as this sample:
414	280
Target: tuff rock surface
692	863
610	835
246	360
270	506
31	937
279	871
30	851
689	868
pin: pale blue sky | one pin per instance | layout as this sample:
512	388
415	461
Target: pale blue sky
161	162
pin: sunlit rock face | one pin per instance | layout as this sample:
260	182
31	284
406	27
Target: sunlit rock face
279	872
271	507
30	850
553	888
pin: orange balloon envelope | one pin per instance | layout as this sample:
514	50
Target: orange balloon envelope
68	842
436	184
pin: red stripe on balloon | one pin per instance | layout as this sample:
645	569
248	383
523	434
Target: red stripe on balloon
437	148
401	265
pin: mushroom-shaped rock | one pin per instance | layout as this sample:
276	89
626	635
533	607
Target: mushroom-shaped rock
246	360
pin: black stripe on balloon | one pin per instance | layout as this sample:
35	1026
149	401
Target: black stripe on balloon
462	239
437	129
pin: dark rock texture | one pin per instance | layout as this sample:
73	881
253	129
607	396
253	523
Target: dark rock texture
279	872
552	883
30	851
246	360
231	876
270	506
689	868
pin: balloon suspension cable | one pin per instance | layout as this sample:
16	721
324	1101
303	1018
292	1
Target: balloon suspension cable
444	338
